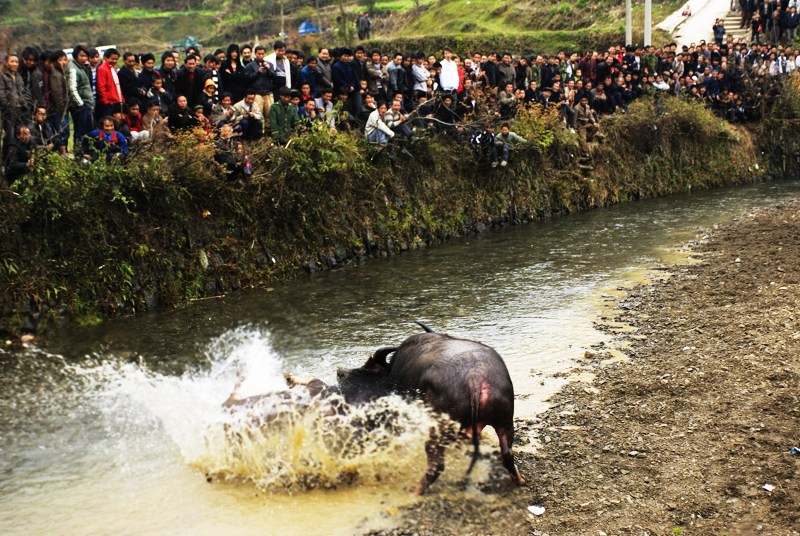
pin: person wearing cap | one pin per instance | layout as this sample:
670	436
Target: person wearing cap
211	66
208	98
249	119
283	117
545	95
202	121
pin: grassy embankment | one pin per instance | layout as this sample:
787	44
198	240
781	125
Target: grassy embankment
515	26
485	24
90	241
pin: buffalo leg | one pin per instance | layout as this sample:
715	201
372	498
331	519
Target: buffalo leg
506	437
435	452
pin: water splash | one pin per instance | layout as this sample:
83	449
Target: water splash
280	439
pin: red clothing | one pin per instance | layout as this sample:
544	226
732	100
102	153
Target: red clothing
134	121
108	89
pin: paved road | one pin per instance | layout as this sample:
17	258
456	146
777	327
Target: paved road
688	30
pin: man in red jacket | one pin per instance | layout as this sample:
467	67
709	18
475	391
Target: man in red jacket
109	91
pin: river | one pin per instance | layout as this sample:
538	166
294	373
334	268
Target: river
113	429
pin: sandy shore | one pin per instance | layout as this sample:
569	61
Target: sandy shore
692	434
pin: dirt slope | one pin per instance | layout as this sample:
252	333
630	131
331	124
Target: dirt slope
683	438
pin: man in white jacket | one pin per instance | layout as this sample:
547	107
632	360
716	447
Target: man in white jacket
281	67
448	78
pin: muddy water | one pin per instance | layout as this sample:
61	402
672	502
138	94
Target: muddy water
114	429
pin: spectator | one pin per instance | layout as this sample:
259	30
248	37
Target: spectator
29	65
208	98
36	65
507	74
59	99
421	75
284	72
586	119
364	26
719	31
249	117
94	64
106	140
133	118
504	141
283	117
203	123
234	77
229	152
396	120
190	81
345	78
308	114
377	75
145	78
18	160
482	143
223	112
169	75
181	117
42	134
260	76
325	107
154	123
376	131
109	91
160	95
128	80
81	96
789	23
308	75
247	55
324	76
15	100
211	71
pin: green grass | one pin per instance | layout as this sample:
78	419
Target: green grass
503	17
397	5
100	14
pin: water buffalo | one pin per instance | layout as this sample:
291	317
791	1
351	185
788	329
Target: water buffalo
464	379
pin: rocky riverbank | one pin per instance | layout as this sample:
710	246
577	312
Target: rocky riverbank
692	434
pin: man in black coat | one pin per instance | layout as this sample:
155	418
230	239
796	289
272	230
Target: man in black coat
190	81
128	81
18	158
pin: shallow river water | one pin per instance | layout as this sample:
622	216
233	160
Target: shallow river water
113	429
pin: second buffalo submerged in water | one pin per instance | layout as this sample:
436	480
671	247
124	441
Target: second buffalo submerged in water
464	379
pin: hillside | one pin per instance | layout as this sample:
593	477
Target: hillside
155	25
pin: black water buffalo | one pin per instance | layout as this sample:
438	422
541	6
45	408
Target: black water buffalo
464	379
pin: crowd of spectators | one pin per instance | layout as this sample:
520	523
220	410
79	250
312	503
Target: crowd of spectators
243	93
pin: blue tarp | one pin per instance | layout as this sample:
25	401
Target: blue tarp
306	27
